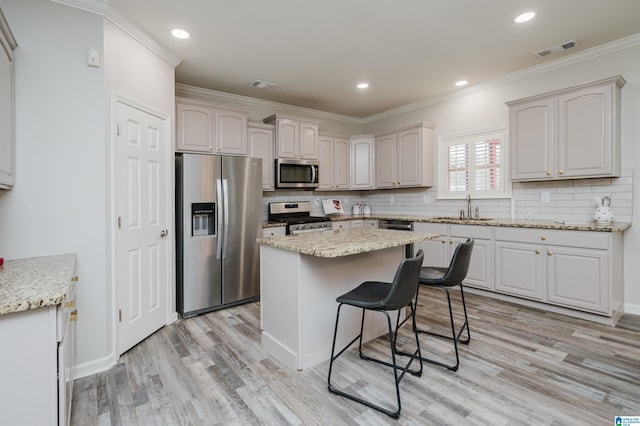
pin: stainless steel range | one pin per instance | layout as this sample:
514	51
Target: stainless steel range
297	216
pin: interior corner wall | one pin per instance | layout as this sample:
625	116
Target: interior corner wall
57	204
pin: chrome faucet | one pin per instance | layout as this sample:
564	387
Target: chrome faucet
468	206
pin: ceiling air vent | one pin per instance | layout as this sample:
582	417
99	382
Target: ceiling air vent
262	84
557	48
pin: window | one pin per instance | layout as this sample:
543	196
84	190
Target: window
473	163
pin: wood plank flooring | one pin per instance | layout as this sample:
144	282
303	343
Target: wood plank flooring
523	367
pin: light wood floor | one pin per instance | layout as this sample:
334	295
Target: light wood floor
522	367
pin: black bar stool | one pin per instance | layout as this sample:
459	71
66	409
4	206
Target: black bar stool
444	278
383	297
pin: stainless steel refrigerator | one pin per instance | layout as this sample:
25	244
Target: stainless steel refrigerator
218	219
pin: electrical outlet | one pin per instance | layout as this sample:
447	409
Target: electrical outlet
426	199
545	197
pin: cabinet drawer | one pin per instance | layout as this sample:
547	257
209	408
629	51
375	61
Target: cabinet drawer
470	231
432	228
595	240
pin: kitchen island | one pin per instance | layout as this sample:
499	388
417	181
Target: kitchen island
301	276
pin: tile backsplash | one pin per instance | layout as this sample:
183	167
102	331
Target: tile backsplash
568	200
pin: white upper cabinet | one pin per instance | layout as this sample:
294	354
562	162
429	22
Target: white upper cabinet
333	154
261	146
297	139
362	162
405	158
568	134
211	129
7	141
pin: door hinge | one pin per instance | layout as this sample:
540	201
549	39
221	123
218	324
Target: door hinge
118	129
119	222
119	315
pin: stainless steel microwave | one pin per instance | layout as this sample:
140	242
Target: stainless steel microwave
296	173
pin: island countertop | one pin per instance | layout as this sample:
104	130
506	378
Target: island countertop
35	282
345	242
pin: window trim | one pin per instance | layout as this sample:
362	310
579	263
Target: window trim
470	137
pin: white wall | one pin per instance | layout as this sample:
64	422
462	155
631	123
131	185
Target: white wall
58	202
62	201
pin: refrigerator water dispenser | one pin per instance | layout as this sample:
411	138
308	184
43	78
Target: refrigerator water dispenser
202	219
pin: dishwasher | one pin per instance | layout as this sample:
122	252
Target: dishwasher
399	225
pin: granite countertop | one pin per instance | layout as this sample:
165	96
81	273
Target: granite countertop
35	282
344	242
541	224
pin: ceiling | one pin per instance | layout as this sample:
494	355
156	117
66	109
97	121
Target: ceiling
316	51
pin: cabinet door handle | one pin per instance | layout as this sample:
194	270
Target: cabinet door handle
70	304
548	172
74	279
164	233
74	315
443	241
543	238
561	172
537	251
550	253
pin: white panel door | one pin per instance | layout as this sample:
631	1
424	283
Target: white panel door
142	249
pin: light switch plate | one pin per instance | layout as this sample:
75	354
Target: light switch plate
93	57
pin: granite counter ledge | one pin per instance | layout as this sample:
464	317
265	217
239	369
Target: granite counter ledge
345	242
35	282
539	224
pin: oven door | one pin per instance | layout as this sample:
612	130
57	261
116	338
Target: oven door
296	173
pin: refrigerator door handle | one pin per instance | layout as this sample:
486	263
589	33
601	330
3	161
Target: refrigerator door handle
219	218
225	189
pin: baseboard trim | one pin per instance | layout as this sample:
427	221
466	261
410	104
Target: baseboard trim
630	308
94	367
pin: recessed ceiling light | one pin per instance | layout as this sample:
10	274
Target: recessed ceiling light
524	17
363	85
461	83
180	33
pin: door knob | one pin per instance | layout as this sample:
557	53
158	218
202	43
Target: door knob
164	233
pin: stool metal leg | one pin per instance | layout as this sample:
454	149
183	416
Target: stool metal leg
455	336
392	344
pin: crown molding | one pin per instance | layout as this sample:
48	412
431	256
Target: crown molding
585	55
214	95
104	9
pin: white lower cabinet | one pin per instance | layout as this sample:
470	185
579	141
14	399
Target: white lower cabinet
438	252
364	223
519	269
343	224
37	362
579	270
578	277
274	231
479	274
576	269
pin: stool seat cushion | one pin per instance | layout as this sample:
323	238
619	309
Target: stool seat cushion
368	295
432	275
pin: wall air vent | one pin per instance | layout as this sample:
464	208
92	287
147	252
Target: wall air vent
557	48
262	84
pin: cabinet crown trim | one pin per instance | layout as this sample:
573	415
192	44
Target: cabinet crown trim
618	80
424	125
